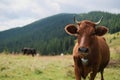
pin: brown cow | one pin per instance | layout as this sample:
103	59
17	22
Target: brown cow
91	53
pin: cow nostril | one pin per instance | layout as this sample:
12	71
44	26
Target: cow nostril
85	50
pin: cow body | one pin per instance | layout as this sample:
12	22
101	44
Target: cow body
91	52
96	62
29	51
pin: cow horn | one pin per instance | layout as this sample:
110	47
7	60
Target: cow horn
99	21
75	20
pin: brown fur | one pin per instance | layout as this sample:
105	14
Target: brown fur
98	56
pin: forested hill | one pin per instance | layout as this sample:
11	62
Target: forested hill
48	36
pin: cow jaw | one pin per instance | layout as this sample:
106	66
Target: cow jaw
84	58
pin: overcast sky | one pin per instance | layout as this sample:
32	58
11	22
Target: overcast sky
17	13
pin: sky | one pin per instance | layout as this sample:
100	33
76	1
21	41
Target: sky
17	13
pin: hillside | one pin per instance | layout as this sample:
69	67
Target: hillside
114	43
48	36
43	35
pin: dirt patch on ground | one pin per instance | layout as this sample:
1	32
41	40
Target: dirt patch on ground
114	63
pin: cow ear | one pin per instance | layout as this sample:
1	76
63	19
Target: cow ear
100	31
71	29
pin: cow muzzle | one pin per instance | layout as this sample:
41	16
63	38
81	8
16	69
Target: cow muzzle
84	55
83	50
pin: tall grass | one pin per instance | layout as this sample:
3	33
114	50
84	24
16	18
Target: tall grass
20	67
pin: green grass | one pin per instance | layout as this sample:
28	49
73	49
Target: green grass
20	67
113	39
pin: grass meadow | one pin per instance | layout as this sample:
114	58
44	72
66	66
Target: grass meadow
21	67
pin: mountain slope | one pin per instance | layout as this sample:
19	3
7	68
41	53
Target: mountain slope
42	32
48	36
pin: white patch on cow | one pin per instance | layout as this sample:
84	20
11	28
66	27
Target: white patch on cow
84	61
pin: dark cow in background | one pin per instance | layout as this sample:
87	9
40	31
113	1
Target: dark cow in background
29	51
91	53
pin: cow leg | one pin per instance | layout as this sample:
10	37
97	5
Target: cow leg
92	75
94	72
32	54
77	73
102	78
24	53
77	68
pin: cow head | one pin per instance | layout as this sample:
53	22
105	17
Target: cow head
86	32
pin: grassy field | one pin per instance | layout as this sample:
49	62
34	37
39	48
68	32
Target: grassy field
21	67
